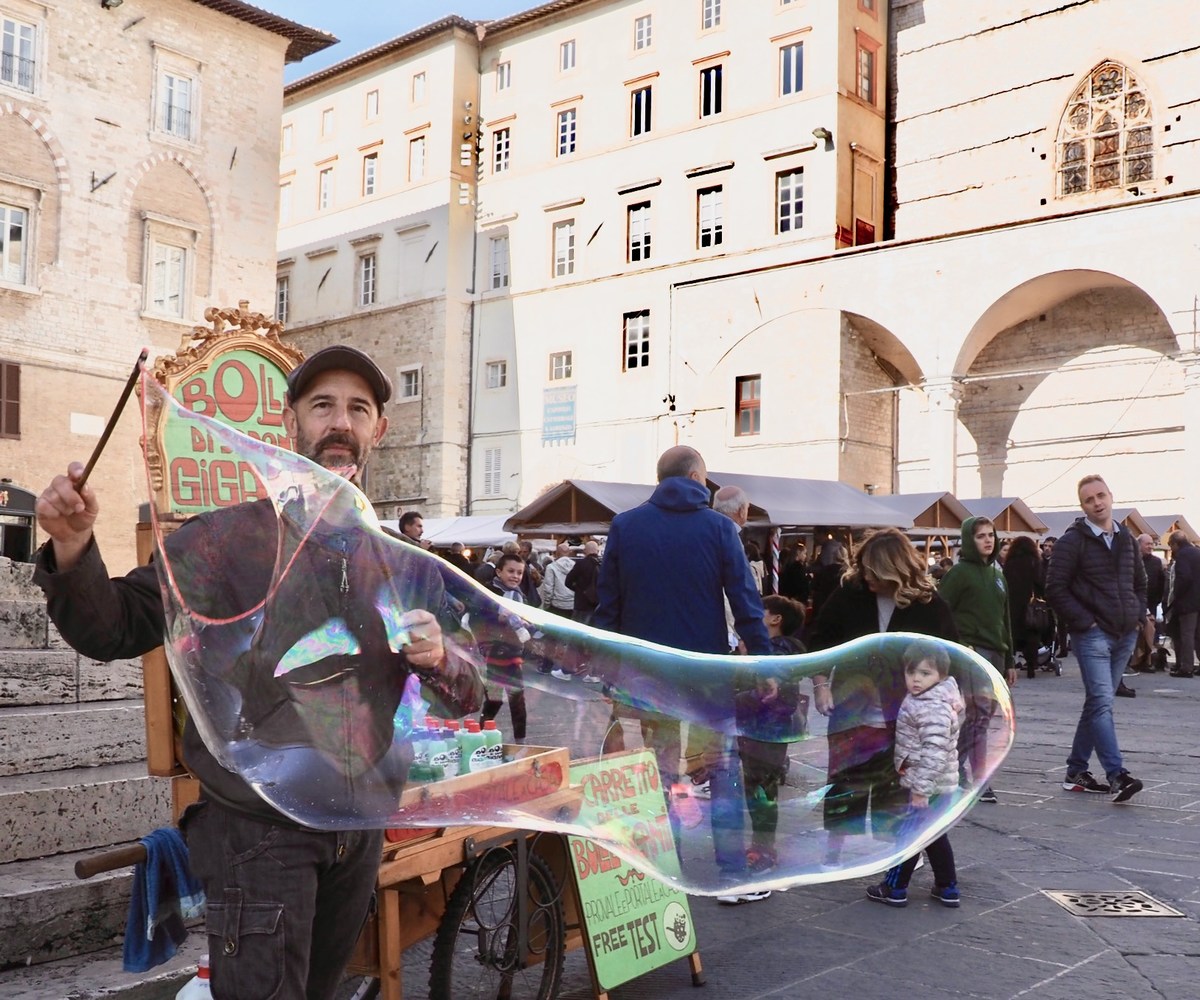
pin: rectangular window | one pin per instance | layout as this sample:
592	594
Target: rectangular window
566	55
498	254
325	188
372	104
369	173
10	399
748	405
416	158
867	47
710	13
561	364
175	117
789	200
791	69
285	202
418	88
501	150
497	374
504	76
491	472
564	248
566	132
283	294
643	32
640	120
869	7
168	274
637	340
710	218
710	91
367	265
410	383
17	54
327	123
286	139
638	227
14	238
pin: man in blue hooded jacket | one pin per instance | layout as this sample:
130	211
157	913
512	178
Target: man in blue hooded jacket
668	566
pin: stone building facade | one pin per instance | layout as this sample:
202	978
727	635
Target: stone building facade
137	187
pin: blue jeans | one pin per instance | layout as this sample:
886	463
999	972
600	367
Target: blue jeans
1102	660
728	813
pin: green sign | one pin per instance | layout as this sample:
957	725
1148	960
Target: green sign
633	922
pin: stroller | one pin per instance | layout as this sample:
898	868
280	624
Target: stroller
1039	620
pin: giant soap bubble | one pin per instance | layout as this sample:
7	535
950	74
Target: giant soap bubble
288	621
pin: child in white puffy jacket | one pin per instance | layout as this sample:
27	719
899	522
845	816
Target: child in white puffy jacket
927	730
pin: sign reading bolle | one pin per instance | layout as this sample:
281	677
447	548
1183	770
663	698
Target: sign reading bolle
235	374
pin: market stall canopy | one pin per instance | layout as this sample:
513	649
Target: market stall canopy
473	531
804	503
1058	521
1162	525
577	507
1010	515
932	514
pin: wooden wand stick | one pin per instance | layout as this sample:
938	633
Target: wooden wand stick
112	421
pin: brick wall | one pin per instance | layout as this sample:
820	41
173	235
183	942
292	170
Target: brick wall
868	421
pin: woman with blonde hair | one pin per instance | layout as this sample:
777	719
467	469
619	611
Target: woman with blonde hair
888	589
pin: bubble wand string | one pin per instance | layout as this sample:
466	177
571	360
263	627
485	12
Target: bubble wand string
112	420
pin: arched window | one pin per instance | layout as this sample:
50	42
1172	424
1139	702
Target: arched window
1105	139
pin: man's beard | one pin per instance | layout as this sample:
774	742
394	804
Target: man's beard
317	453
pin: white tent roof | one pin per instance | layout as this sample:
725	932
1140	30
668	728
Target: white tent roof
478	529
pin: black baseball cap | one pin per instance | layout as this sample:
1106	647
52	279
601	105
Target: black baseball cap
339	358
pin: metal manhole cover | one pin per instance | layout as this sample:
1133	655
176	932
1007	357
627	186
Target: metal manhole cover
1121	903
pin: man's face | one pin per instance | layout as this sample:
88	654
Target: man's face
1146	544
1047	548
920	677
985	540
510	574
1096	501
415	529
336	422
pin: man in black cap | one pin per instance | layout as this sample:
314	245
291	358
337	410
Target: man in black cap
285	901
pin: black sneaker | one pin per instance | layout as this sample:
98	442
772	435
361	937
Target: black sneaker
1124	787
988	795
1124	691
1084	782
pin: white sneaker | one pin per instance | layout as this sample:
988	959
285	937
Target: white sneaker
702	791
562	675
592	679
744	897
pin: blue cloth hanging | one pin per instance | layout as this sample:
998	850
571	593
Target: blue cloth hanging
165	894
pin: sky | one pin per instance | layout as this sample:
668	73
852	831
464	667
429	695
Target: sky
363	24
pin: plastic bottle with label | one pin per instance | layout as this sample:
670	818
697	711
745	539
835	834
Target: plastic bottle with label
493	741
198	986
472	750
451	738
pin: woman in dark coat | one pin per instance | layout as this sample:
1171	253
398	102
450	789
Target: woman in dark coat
889	591
1025	578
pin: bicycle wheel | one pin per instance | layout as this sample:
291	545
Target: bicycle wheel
475	953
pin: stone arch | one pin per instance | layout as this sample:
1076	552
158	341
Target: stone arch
28	140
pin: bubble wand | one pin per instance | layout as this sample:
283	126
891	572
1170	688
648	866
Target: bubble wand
112	420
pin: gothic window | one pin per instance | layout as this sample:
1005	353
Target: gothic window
1105	139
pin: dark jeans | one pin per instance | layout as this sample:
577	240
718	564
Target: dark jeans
980	701
1184	631
508	677
862	778
285	906
940	853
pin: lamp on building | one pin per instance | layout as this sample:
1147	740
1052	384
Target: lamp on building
822	133
111	4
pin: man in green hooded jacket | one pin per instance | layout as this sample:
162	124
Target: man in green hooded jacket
977	593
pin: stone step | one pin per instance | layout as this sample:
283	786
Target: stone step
52	738
63	677
23	624
98	975
59	811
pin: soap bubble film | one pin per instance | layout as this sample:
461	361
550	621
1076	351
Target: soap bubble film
301	673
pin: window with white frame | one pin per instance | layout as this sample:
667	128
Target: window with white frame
418	88
498	257
564	248
175	104
710	217
867	47
416	158
492	485
638	228
637	340
643	31
710	13
566	131
566	55
18	54
368	264
789	200
325	188
372	109
503	75
710	90
409	383
370	172
287	139
14	244
168	279
561	364
285	202
791	69
640	120
497	374
326	123
283	297
501	150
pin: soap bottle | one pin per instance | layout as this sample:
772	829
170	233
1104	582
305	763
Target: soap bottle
198	986
493	741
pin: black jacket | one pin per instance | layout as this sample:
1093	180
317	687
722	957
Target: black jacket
1090	584
1185	594
1156	581
582	579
